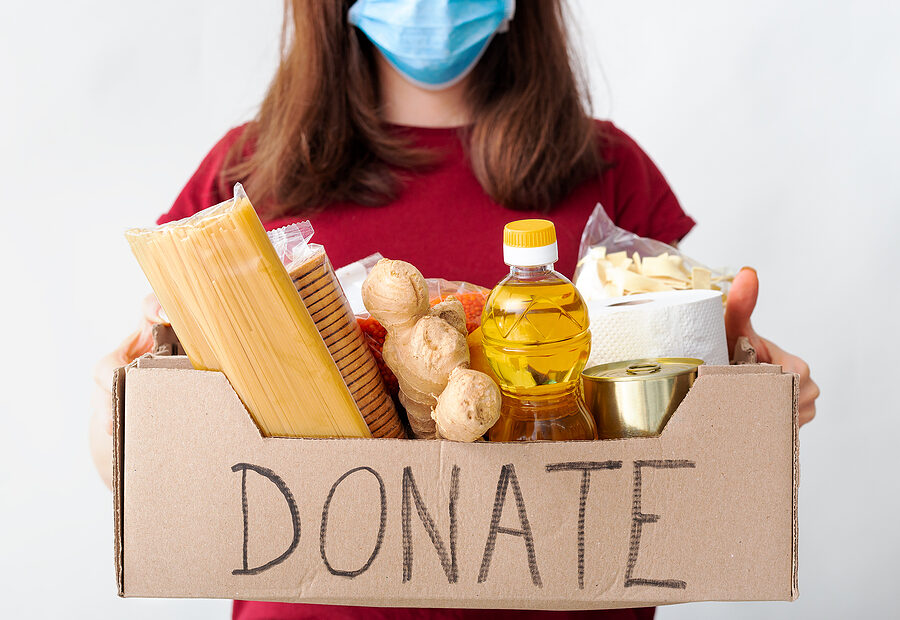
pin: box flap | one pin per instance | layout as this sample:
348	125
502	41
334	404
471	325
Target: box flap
165	341
741	369
164	361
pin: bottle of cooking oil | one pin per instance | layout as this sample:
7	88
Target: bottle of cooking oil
536	340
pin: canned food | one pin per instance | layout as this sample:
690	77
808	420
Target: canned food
636	398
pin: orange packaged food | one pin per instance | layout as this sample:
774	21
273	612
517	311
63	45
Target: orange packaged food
471	296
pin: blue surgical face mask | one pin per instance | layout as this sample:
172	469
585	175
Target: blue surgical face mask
432	43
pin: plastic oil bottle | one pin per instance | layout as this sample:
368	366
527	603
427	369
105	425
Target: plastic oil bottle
536	340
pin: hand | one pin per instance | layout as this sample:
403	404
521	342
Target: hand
739	307
101	425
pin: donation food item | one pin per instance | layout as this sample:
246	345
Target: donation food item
468	406
536	340
235	309
423	347
670	324
470	296
375	333
614	275
613	262
477	359
318	286
637	397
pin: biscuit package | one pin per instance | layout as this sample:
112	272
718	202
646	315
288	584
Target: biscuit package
318	286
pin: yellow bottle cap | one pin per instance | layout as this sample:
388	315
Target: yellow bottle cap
529	233
529	243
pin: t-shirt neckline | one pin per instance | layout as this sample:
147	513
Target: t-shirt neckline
433	131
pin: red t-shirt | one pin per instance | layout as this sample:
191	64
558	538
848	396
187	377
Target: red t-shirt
444	224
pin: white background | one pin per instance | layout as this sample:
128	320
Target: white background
775	122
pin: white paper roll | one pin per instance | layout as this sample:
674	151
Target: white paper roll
669	324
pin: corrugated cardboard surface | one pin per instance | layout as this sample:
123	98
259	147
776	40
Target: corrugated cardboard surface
206	507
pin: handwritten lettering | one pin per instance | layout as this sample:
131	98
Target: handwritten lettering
585	467
508	477
323	531
638	519
411	492
292	506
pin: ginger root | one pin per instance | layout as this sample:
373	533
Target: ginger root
452	311
468	406
424	347
395	293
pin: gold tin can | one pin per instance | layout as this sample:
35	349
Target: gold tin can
636	398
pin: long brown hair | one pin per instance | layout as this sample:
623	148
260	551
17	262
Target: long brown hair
318	137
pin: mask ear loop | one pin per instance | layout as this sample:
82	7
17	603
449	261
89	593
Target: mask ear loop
351	13
510	13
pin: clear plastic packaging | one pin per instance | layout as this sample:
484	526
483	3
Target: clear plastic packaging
319	286
613	262
292	244
234	309
471	296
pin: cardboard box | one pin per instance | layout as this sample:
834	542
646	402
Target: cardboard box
206	507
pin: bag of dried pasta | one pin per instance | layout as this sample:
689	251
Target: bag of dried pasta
613	262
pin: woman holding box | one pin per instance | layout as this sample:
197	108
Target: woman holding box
418	129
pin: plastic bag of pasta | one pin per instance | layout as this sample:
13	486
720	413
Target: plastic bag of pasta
613	262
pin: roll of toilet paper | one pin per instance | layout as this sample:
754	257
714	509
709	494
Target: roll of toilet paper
668	324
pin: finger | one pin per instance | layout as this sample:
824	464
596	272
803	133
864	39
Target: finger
135	345
151	311
787	361
739	306
101	449
103	371
809	392
138	343
101	405
766	350
806	414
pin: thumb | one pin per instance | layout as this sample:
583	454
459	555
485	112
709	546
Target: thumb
741	302
152	312
138	343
